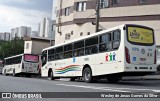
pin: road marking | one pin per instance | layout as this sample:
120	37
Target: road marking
156	91
92	87
111	88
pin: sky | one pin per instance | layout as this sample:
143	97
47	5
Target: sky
15	13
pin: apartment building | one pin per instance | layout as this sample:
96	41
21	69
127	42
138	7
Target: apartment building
20	32
35	34
47	28
75	18
5	36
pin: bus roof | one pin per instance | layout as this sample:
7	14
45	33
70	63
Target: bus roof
84	37
92	35
13	56
21	55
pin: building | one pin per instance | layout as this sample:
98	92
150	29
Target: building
47	28
5	36
34	45
20	32
74	19
35	34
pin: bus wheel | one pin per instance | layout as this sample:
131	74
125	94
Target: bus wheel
87	75
14	74
72	79
50	76
113	78
28	75
5	73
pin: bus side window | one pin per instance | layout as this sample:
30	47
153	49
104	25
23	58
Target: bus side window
68	51
116	39
51	55
59	53
105	43
91	45
44	58
79	48
81	52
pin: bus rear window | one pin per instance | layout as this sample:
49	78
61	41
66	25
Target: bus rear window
140	35
31	58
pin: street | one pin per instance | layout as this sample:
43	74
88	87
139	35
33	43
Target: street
22	84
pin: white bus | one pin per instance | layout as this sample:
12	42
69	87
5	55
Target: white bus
23	64
125	50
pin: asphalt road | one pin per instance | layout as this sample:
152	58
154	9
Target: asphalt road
22	84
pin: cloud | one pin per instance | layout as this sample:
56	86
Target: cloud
42	5
12	16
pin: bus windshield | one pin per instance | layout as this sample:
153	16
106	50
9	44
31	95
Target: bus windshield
31	58
140	35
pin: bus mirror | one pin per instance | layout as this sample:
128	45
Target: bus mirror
3	64
43	58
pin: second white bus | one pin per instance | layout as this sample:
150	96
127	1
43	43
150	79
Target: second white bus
23	64
125	50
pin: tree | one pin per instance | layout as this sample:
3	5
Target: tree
11	48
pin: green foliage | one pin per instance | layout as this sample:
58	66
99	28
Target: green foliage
11	48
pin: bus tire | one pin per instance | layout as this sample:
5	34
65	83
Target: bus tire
158	68
50	76
113	78
28	75
87	75
72	79
14	74
5	73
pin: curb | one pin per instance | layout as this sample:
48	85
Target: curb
150	77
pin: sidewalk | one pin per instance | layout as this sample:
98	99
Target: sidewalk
151	77
147	77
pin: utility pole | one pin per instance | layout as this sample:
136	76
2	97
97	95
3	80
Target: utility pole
60	17
97	15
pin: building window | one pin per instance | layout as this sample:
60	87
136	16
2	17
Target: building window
81	34
67	11
104	3
143	1
88	33
67	36
71	32
27	46
57	14
53	27
115	2
81	6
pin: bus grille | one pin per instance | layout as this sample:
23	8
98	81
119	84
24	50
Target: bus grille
143	67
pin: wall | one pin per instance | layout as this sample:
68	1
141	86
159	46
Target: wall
29	49
37	46
126	12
